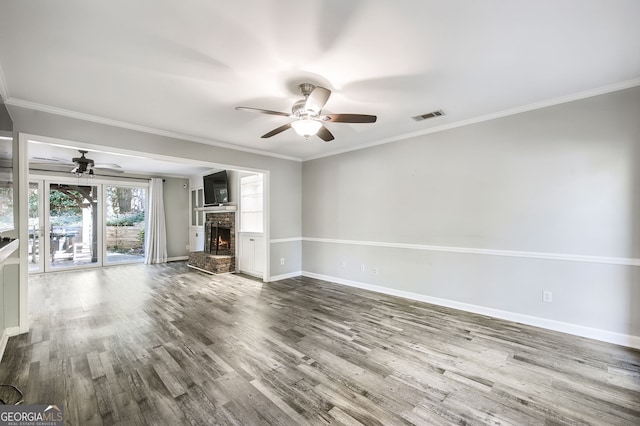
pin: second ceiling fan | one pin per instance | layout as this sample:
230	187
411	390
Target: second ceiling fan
81	165
309	120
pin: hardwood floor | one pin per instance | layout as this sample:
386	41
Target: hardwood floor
167	345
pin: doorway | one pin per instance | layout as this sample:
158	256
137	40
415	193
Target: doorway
125	208
74	225
72	222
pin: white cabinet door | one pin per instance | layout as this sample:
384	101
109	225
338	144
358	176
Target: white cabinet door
245	253
258	255
196	239
251	254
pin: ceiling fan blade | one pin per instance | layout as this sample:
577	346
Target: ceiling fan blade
109	170
50	167
317	98
106	166
325	134
49	160
349	118
276	131
263	111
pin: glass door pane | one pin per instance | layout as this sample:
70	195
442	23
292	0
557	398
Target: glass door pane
125	223
73	225
34	245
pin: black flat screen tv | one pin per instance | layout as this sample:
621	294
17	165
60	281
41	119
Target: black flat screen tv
216	190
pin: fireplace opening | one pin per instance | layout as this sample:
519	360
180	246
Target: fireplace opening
219	241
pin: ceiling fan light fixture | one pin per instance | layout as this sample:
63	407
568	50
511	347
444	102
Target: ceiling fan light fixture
306	127
307	114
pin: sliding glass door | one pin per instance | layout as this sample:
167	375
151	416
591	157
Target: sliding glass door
36	227
125	223
73	225
83	224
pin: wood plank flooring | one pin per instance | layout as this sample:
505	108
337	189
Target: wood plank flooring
167	345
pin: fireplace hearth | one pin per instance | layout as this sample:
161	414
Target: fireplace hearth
218	254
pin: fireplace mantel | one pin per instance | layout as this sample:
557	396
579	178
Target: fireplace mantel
213	209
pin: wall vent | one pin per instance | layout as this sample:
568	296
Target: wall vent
437	113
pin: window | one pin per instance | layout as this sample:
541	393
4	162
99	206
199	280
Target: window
251	210
197	201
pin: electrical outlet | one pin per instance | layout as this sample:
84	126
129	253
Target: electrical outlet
363	268
282	260
343	264
547	296
375	271
187	247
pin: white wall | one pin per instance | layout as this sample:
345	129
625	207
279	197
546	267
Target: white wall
469	215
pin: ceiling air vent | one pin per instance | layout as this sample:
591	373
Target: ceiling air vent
437	113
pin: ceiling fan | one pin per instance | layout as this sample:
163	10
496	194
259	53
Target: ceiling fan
307	113
82	165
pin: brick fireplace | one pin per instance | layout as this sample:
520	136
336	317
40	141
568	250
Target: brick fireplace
218	254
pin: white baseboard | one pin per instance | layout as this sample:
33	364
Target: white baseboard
4	338
14	331
563	327
177	258
285	276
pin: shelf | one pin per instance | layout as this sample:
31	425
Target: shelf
216	209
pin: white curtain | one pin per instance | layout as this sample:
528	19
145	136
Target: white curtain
156	235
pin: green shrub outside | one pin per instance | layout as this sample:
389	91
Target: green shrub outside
126	220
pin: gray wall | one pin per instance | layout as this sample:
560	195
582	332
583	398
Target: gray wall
176	211
562	180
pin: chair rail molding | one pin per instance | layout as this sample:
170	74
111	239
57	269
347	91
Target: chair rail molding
489	252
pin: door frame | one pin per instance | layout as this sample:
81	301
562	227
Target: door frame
44	182
21	163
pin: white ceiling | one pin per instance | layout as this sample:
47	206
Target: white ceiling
182	67
56	156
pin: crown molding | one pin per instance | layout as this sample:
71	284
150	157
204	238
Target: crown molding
492	116
4	91
144	129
